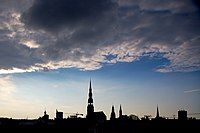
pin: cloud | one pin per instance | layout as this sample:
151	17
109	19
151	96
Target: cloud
30	43
184	58
192	91
174	6
86	34
54	15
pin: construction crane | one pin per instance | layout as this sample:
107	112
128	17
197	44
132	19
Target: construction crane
74	115
194	114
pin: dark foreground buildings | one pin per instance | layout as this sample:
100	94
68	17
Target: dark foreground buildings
96	122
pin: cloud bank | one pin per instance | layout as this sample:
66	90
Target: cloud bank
86	34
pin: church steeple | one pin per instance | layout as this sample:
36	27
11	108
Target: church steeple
90	100
90	107
112	116
120	111
45	112
157	113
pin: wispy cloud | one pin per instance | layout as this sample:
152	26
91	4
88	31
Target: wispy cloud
192	91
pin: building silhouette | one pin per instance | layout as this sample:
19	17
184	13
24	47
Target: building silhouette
59	115
91	115
182	115
112	115
120	111
46	116
157	114
90	106
158	117
121	116
133	117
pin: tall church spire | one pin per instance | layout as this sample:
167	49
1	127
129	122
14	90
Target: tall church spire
90	100
90	107
157	113
112	116
120	111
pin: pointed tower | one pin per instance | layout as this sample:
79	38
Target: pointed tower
90	107
46	116
120	112
45	112
157	113
112	116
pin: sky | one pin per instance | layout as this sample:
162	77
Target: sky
138	53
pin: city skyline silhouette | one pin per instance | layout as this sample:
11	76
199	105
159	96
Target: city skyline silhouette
100	64
90	110
96	121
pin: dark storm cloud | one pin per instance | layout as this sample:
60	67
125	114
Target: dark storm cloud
75	24
15	56
51	34
52	15
17	5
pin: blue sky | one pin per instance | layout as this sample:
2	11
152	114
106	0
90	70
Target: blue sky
139	53
133	85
